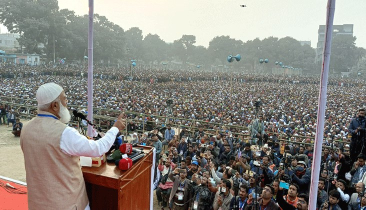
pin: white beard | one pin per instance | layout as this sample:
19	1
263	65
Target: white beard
64	114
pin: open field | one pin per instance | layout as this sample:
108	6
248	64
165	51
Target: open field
11	155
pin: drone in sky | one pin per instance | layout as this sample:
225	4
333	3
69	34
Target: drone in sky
243	5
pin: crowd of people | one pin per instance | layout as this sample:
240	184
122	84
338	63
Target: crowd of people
222	170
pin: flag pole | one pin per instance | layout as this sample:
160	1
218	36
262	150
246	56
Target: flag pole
315	171
90	67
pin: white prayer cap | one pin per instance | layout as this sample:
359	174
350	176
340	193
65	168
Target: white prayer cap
48	92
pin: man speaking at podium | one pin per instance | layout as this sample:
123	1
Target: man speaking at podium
51	153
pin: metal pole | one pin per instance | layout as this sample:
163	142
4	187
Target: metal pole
90	67
321	106
54	51
231	88
131	70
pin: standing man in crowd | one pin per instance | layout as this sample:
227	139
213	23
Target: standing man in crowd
240	202
322	194
223	197
200	133
11	117
356	197
291	196
168	135
265	202
201	195
183	133
2	114
182	147
301	176
56	174
302	202
363	202
332	203
157	144
247	151
180	194
165	185
257	130
359	169
357	129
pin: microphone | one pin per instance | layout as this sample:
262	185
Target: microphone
124	164
81	116
75	113
126	148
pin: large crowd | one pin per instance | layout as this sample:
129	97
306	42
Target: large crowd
221	170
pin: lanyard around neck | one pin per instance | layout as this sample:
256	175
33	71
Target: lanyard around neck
47	115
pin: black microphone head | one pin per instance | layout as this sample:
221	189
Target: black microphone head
81	116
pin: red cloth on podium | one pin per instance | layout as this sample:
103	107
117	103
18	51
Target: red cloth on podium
10	200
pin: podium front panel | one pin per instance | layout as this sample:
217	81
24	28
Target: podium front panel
110	188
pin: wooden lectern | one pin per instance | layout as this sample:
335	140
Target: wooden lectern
110	188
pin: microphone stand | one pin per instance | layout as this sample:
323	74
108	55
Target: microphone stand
79	116
88	122
80	125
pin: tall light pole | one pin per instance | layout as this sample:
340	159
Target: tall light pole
230	59
164	64
133	64
54	50
261	61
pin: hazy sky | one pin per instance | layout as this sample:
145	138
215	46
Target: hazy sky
205	19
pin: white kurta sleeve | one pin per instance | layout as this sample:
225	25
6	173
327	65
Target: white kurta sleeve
345	197
73	143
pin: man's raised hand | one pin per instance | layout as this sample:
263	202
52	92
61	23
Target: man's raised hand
120	122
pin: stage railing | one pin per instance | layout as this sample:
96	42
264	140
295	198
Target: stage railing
104	118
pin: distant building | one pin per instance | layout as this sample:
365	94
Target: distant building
345	29
7	58
305	43
19	59
28	59
9	42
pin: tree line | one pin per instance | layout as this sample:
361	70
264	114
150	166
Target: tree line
45	29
